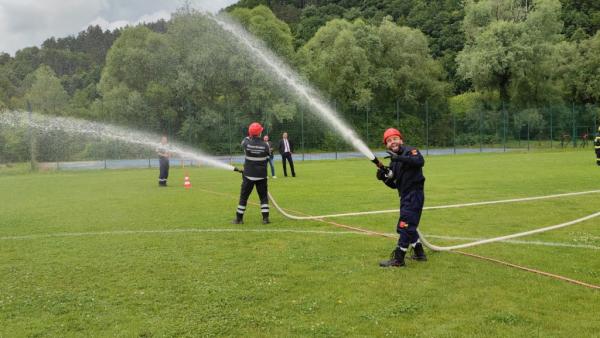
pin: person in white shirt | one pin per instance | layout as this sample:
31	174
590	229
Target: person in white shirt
286	149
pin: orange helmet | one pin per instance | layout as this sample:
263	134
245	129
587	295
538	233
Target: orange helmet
391	132
255	129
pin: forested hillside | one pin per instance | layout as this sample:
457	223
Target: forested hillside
392	61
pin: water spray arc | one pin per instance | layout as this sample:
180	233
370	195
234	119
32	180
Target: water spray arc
302	90
96	129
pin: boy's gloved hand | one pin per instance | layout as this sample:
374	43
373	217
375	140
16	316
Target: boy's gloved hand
384	173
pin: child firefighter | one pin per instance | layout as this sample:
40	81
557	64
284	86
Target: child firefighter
405	173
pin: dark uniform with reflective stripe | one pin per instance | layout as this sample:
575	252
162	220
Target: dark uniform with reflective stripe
409	180
255	174
597	149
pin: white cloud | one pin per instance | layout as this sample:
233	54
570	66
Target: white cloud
146	18
25	23
107	25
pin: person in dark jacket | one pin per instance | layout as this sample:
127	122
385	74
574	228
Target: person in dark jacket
254	174
271	156
163	161
405	174
286	148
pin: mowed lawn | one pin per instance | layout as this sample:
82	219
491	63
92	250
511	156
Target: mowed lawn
109	253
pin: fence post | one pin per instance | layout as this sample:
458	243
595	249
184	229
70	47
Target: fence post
595	120
480	131
229	135
574	127
551	128
397	113
504	120
32	146
56	153
426	128
528	126
454	131
368	106
302	130
336	138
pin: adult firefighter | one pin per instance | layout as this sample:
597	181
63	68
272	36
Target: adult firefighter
254	174
405	174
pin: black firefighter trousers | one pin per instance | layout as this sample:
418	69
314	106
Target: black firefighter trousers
261	189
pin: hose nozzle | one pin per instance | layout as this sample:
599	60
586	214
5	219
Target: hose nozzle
377	162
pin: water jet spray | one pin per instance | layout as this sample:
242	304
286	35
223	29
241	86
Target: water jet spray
285	74
96	129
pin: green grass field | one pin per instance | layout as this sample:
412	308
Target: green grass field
108	253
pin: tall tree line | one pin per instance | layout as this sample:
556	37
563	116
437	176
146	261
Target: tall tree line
378	62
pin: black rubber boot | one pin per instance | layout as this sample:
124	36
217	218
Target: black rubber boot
239	219
396	259
419	253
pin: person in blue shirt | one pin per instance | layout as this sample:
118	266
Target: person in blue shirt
271	156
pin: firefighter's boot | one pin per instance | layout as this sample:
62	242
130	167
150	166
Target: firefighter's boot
396	259
239	219
419	253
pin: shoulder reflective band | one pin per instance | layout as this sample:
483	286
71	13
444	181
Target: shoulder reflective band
249	158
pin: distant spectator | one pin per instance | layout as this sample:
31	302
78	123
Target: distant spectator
286	149
584	139
163	160
266	139
564	140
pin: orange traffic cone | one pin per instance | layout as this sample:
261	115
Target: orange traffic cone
186	183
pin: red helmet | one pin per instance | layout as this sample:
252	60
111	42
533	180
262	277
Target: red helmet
255	129
391	132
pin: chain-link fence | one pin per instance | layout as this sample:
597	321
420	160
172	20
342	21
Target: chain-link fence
500	128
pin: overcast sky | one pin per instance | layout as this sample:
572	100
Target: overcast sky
25	23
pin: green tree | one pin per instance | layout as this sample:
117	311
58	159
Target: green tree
46	93
135	83
580	69
374	67
262	23
581	17
336	62
511	48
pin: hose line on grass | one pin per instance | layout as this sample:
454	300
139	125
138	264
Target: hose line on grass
375	233
462	205
459	246
507	237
